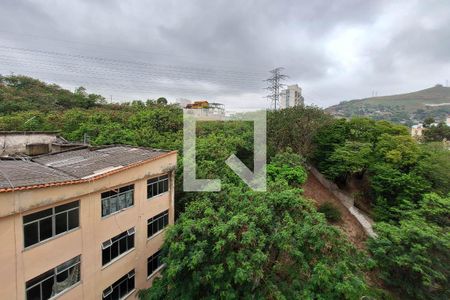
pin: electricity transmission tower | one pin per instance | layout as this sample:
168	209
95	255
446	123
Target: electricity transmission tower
275	85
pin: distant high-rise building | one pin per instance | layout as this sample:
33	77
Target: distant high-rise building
292	96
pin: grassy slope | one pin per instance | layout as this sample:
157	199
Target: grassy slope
410	102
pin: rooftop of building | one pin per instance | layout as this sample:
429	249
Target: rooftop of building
12	132
71	166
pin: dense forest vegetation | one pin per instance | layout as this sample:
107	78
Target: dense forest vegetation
240	244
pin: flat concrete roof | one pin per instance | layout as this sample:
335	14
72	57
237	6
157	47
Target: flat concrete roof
71	166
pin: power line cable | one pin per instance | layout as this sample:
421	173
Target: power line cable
227	61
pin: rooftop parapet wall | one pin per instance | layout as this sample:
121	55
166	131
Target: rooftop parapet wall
13	142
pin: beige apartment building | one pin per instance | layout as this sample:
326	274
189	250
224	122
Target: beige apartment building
87	223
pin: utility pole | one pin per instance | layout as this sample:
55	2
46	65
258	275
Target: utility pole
275	85
86	139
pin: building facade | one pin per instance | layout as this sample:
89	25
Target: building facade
292	96
417	130
84	224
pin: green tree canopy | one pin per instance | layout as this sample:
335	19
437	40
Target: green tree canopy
239	244
351	158
21	93
414	255
437	133
162	100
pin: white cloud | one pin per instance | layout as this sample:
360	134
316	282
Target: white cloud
222	50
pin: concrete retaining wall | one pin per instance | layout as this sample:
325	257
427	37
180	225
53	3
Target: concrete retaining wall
365	221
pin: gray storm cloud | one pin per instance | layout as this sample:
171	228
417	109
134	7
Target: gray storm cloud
222	50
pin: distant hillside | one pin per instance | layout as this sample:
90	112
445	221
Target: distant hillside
404	108
21	93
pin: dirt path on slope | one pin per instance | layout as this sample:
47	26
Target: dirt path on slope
315	191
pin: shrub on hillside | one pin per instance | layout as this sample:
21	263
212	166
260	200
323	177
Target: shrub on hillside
287	166
332	214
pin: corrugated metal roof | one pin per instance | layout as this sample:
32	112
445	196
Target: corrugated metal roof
71	165
16	173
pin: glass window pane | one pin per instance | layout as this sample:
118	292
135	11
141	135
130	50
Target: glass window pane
106	256
68	264
105	207
154	228
74	219
108	194
123	245
114	250
34	293
161	187
37	215
117	237
61	223
67	274
166	185
67	206
150	191
115	294
131	241
39	278
126	188
153	262
129	198
130	284
75	273
45	229
62	276
120	200
30	232
150	266
123	288
47	287
113	204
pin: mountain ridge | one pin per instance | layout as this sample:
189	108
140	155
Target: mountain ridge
407	107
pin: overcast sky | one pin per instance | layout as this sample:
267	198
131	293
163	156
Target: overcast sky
223	50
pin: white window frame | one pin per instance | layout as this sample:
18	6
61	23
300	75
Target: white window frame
109	243
161	178
116	196
110	288
157	269
53	220
56	272
155	219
